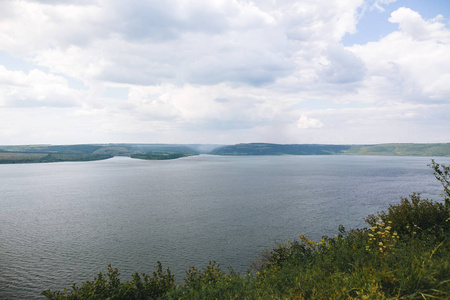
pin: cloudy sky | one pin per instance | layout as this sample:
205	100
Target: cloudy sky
224	71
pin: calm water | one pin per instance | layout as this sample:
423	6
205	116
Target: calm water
64	222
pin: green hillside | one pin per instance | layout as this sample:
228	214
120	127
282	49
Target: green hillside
86	152
89	152
317	149
278	149
401	149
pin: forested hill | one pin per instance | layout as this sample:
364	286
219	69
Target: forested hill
87	152
277	149
317	149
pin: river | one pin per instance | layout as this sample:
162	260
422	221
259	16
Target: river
62	223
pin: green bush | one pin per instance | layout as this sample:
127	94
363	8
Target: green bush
415	215
109	286
442	173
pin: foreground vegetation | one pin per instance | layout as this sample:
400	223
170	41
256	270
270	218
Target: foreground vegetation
403	255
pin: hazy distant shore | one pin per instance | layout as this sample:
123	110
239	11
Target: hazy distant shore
89	152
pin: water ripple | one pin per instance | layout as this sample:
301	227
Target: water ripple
64	222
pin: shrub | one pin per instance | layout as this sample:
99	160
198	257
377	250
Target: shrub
210	274
442	173
415	215
108	286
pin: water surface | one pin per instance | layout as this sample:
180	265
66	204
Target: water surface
64	222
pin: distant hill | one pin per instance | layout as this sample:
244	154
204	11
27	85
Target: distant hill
88	152
115	149
317	149
66	149
401	149
278	149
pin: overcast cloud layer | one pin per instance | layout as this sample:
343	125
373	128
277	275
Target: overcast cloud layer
221	71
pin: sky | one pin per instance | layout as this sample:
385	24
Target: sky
224	71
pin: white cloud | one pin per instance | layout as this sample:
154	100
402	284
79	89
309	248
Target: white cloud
411	23
378	4
221	71
30	27
410	64
35	89
440	89
73	61
342	66
196	41
306	122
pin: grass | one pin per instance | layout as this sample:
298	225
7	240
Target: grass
404	254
